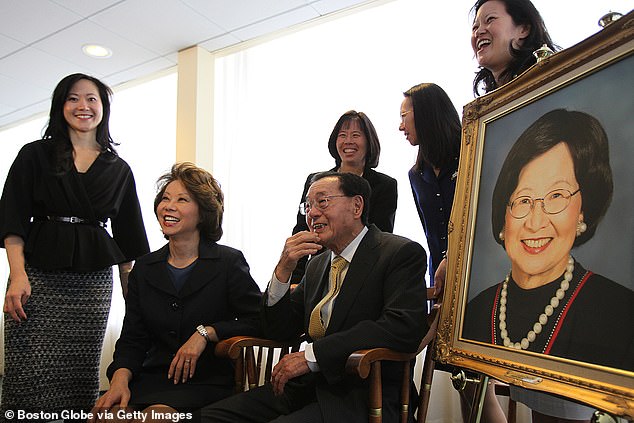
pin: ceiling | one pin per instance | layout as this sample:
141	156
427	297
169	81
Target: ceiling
41	40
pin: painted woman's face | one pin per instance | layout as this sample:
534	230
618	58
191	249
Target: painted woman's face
539	243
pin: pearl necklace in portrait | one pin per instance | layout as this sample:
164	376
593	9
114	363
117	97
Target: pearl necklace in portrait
543	318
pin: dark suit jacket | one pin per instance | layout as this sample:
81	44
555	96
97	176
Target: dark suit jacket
159	320
382	303
382	208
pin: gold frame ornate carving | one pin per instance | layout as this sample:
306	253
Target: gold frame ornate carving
608	389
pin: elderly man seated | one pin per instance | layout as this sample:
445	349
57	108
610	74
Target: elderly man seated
368	292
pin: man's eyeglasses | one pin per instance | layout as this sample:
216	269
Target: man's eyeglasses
320	204
554	202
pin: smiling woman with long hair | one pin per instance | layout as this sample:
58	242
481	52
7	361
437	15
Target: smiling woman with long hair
61	194
504	35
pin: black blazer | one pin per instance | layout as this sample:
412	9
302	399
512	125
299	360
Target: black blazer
159	320
382	208
382	303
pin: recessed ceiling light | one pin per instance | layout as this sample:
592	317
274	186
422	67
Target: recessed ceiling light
95	50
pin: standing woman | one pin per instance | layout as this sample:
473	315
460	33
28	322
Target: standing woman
354	144
504	35
430	121
57	199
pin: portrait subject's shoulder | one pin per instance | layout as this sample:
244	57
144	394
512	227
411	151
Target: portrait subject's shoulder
602	291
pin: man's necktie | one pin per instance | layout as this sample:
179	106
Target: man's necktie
316	328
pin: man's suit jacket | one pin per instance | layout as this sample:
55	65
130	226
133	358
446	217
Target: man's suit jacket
159	320
382	303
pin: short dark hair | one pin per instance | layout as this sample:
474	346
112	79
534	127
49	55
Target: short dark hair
523	12
373	148
437	123
57	128
588	144
350	185
205	190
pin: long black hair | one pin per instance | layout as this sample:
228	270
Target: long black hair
523	12
437	123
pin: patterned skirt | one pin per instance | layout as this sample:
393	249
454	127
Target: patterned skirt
52	358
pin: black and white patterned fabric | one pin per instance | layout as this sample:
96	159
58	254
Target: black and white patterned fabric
52	358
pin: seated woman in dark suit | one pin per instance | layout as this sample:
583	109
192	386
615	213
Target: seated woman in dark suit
182	299
354	144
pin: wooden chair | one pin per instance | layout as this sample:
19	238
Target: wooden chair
367	363
249	355
252	355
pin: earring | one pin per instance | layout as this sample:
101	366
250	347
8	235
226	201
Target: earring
501	236
581	227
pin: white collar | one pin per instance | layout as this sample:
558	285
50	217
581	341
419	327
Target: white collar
351	249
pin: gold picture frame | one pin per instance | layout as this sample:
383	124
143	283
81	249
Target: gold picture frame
596	77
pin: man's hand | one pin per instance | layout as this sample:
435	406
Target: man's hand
289	367
297	246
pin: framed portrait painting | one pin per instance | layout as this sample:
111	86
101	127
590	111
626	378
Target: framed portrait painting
540	281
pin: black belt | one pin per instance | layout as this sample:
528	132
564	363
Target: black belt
74	220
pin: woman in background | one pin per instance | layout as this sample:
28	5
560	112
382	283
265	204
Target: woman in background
354	144
182	299
430	122
58	197
504	35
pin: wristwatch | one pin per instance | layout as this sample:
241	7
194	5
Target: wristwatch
203	332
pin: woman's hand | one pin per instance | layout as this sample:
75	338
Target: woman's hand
18	294
183	365
439	278
19	289
124	273
117	396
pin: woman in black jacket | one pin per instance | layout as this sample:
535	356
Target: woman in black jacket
182	299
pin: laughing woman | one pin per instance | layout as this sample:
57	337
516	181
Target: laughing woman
182	299
354	144
505	33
